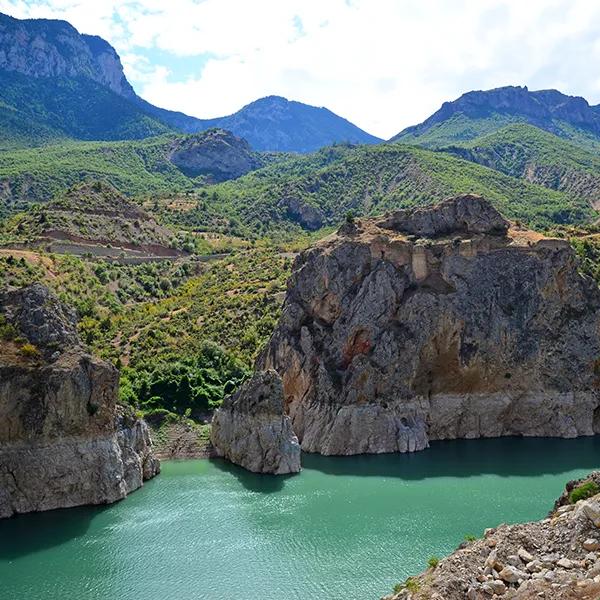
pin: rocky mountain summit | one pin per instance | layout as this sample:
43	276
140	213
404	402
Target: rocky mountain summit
63	440
557	558
436	323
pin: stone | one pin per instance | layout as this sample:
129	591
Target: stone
534	566
513	560
478	328
565	563
497	587
525	556
591	544
63	439
511	574
591	509
252	430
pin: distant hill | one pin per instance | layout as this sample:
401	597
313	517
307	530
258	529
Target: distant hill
56	84
92	215
318	190
166	164
537	156
274	123
482	112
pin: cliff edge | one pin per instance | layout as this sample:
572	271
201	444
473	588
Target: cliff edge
63	439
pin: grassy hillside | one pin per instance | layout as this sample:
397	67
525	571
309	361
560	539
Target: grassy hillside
525	151
306	193
35	111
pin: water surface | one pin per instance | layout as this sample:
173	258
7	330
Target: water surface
345	528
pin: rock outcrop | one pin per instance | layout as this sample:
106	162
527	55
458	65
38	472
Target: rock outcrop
63	440
216	154
557	558
252	430
436	323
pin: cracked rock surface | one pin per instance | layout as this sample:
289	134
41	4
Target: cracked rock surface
440	322
63	440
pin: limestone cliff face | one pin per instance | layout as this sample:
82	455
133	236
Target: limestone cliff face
252	430
48	48
436	323
63	440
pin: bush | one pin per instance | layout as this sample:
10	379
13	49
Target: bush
583	491
433	562
470	538
29	350
7	331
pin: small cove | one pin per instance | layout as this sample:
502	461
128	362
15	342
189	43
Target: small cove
345	528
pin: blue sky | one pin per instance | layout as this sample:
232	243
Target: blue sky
383	64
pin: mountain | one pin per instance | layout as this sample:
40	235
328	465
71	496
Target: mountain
166	164
478	113
56	83
274	123
306	193
525	151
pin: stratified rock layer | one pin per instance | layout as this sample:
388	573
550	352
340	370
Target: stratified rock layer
436	323
251	429
63	440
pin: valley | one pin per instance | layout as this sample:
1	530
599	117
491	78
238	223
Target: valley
280	289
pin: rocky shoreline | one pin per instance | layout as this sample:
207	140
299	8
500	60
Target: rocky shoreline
555	558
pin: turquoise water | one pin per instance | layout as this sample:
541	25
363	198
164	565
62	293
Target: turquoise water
345	528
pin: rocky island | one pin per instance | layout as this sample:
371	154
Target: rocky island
434	323
63	439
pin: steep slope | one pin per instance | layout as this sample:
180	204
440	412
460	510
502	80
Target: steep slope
63	440
65	84
275	123
162	164
525	151
478	113
320	189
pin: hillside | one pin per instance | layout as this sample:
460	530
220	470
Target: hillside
479	113
93	218
537	156
275	123
165	164
318	190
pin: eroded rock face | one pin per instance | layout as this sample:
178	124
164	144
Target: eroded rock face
437	323
252	430
63	440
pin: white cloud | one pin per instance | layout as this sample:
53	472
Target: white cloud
383	64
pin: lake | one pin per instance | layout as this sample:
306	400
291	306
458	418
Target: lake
345	528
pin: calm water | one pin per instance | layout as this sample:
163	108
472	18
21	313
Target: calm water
346	528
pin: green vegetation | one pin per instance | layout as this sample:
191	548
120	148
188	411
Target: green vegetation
371	180
526	151
583	491
37	111
470	538
433	562
411	584
181	347
29	350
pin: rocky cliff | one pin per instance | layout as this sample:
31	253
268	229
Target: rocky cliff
63	440
436	323
252	430
557	558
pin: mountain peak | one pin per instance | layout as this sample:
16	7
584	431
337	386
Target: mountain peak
483	111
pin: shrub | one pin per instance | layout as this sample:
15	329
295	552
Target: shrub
29	350
433	562
583	491
470	538
7	331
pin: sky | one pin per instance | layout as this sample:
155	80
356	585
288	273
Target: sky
382	64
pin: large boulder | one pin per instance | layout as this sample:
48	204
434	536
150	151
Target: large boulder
436	323
63	440
252	430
